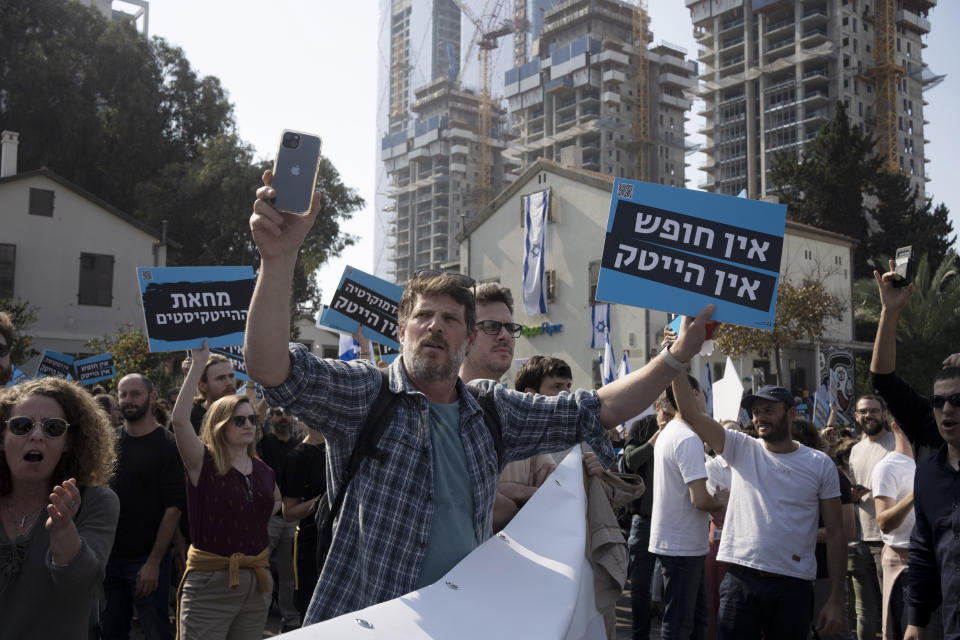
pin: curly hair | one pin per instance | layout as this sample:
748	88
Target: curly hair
217	417
90	453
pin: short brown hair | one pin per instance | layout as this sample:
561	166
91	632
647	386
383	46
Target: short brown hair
6	328
212	359
442	285
490	292
536	368
89	455
217	417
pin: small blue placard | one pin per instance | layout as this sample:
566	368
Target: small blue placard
56	365
183	306
235	353
363	299
677	250
94	369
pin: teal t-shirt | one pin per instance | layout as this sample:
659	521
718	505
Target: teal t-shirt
451	534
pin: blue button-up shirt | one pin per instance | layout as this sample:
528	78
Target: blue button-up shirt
381	533
934	565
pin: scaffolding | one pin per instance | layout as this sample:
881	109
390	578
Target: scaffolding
641	105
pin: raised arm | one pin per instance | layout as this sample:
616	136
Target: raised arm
709	430
278	237
893	300
188	443
830	620
627	397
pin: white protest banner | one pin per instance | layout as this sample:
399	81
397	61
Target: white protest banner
727	394
677	250
532	580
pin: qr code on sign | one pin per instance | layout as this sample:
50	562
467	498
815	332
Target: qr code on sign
148	275
625	190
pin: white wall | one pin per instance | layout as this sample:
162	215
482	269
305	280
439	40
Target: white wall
48	264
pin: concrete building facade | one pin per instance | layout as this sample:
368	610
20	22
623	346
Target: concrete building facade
773	72
491	248
576	101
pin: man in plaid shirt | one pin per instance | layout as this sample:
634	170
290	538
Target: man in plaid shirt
412	513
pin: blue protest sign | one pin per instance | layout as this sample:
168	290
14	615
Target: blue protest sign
17	376
56	365
183	306
363	299
94	369
677	250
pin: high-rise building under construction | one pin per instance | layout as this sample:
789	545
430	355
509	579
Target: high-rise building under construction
773	72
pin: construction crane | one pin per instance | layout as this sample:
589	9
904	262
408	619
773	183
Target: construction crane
886	74
641	95
486	38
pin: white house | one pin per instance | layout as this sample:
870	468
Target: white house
491	248
71	255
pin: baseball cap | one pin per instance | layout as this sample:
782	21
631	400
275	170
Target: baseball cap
769	392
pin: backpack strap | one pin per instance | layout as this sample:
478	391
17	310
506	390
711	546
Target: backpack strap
380	415
490	418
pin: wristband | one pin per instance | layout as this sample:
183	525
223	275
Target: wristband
672	362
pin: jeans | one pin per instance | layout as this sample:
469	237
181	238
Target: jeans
684	597
281	558
753	606
119	584
641	568
863	566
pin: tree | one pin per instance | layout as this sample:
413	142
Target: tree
838	184
803	312
131	354
22	315
929	324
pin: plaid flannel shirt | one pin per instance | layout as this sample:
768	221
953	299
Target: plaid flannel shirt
381	533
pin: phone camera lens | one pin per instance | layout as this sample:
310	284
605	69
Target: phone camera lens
291	140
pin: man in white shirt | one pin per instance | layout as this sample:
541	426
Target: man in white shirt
770	531
680	523
892	482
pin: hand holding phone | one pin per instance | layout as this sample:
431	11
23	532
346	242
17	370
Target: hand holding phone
295	171
904	266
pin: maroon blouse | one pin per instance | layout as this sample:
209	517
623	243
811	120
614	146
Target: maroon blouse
226	517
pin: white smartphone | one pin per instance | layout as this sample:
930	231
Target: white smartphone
295	171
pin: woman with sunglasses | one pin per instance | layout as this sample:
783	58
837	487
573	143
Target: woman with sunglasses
231	494
58	514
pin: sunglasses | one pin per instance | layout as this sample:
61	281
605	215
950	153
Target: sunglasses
253	419
4	350
939	401
492	327
51	427
463	280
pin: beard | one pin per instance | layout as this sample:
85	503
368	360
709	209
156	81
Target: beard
5	374
133	412
873	426
422	368
777	432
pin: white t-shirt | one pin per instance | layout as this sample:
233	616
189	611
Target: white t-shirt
864	456
771	521
719	474
893	478
677	528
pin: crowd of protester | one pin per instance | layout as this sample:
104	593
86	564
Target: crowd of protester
201	509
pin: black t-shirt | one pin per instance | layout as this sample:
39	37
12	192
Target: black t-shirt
149	479
846	497
196	416
273	450
304	475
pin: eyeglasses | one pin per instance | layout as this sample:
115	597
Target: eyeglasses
939	401
241	420
867	412
51	427
4	350
492	327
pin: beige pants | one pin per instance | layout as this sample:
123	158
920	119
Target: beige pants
211	610
894	561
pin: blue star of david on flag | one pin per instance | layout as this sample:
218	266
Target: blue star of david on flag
600	321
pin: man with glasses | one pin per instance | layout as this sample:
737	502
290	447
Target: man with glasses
149	483
425	493
6	343
492	353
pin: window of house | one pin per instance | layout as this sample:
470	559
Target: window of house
8	263
96	280
41	202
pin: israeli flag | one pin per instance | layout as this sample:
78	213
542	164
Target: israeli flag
608	371
600	319
349	349
624	369
706	384
535	207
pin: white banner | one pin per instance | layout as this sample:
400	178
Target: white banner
531	581
535	208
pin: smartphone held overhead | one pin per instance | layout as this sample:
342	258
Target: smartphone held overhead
295	171
904	266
